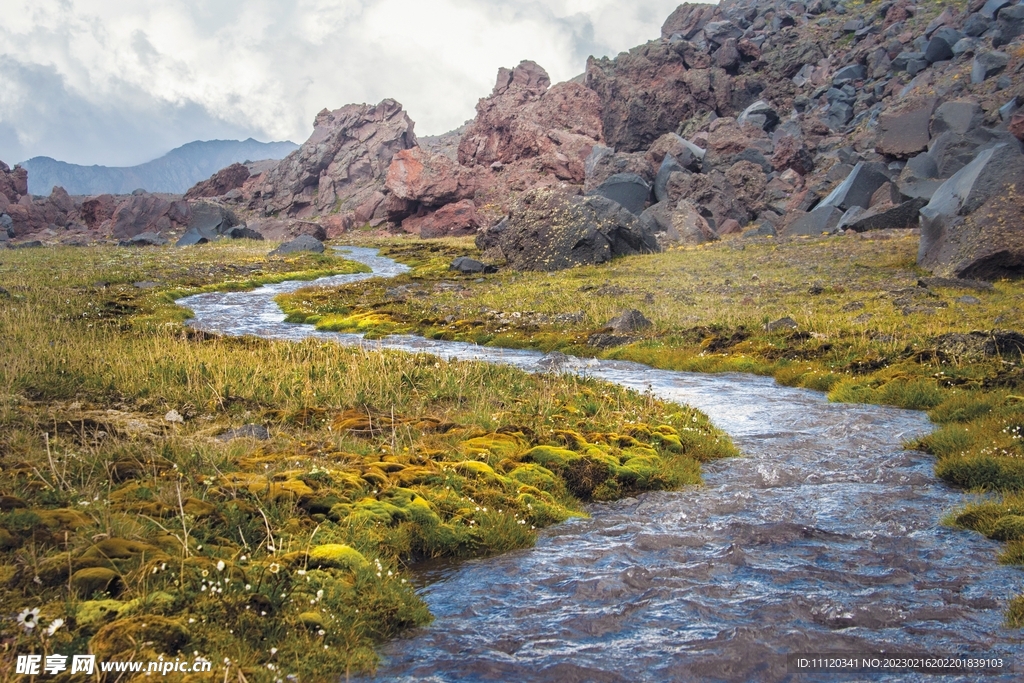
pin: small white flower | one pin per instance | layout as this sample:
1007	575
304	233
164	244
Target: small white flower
220	565
28	618
54	626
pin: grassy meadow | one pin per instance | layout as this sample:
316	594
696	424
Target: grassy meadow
133	523
845	315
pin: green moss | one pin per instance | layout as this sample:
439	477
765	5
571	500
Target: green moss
336	555
93	613
550	457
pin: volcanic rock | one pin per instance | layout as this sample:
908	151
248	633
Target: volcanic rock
342	164
300	243
142	213
220	183
627	189
458	218
982	244
430	179
548	230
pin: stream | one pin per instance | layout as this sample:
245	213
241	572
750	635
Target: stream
824	538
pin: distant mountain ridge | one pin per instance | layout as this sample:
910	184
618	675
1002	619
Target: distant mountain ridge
174	172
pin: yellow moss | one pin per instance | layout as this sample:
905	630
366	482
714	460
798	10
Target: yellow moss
336	555
124	638
86	582
474	468
573	440
94	612
498	445
551	457
536	476
64	518
119	549
199	508
313	621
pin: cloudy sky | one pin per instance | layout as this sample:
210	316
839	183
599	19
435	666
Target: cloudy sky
120	82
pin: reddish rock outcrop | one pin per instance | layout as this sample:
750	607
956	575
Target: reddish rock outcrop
430	179
146	212
13	183
342	164
220	183
96	210
459	218
527	135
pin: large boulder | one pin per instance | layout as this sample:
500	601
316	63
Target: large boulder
858	187
451	220
548	230
418	175
948	241
220	183
627	189
97	210
299	244
285	229
907	132
144	212
342	164
679	223
211	220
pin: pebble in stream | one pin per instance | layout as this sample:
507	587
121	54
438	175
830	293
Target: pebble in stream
825	537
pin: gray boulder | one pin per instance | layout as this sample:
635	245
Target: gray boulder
628	321
464	264
856	190
191	238
669	165
300	243
977	24
990	10
958	116
211	220
760	114
991	174
679	223
887	217
243	232
144	239
823	219
988	64
1010	24
905	133
853	72
547	230
627	189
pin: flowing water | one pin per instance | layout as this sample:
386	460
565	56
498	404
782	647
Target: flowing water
823	538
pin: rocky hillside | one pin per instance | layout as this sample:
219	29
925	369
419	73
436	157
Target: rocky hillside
753	118
174	172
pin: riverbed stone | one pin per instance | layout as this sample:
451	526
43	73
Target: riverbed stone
300	243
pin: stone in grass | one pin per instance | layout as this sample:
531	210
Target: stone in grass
249	431
955	283
629	321
300	243
464	264
145	239
337	556
785	323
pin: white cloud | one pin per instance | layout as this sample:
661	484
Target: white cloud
123	81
